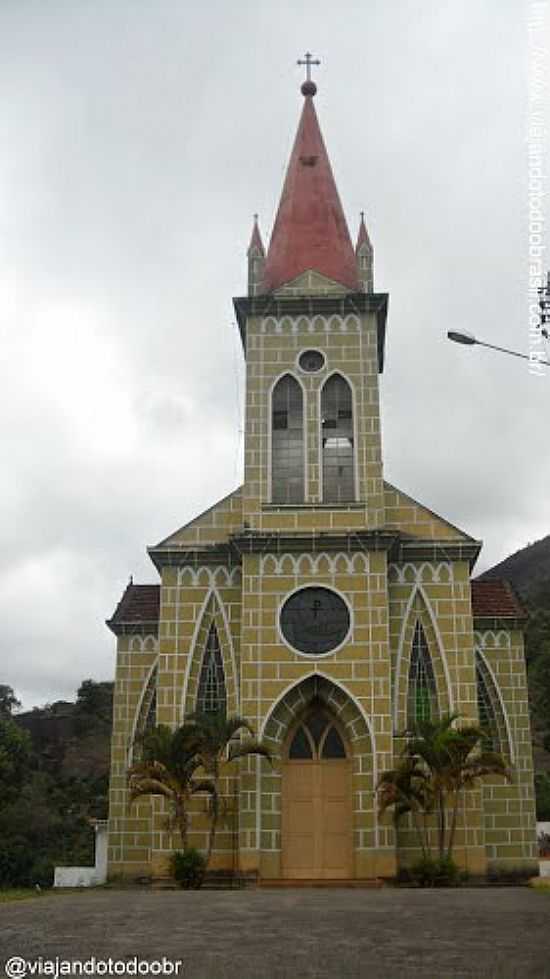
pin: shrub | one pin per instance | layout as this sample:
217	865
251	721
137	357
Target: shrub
511	875
42	872
18	867
430	872
189	868
15	863
542	790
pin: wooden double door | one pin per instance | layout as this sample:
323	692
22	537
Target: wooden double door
317	805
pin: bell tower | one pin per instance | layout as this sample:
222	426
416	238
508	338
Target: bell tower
313	334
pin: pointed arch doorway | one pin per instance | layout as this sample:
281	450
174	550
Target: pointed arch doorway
317	834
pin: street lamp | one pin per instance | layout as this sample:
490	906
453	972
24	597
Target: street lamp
469	339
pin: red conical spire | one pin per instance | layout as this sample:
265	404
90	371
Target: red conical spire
256	239
310	230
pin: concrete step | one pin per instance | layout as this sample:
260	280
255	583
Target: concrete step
214	881
371	883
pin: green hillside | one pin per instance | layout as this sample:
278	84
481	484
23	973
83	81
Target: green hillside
54	778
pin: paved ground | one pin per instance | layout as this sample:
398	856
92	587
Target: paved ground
300	934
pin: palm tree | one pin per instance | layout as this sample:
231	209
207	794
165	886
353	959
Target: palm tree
407	788
454	759
167	768
212	738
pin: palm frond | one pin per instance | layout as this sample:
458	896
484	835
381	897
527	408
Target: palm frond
203	785
149	769
249	747
148	786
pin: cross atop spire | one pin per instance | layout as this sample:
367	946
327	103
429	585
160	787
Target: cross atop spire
308	61
308	87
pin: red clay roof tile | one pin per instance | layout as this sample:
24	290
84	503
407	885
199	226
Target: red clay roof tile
495	598
139	604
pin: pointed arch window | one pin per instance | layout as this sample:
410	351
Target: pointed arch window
337	441
151	716
422	690
491	719
211	697
147	717
287	442
317	738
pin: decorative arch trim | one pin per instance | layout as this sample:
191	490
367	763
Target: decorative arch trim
492	640
218	577
305	564
426	573
143	644
316	675
315	324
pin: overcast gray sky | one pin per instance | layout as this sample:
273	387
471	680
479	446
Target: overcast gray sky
137	140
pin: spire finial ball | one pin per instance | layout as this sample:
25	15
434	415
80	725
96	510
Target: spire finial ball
308	88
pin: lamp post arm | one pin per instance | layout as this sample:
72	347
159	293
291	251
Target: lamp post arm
513	353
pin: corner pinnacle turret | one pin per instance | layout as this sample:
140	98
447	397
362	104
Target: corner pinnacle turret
365	257
256	260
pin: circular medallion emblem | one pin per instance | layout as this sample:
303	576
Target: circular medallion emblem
315	620
311	361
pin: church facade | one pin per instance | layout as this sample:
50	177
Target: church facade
320	602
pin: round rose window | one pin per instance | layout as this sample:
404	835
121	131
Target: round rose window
311	361
315	620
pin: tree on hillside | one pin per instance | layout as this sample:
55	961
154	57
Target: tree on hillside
15	759
539	690
8	700
95	700
537	632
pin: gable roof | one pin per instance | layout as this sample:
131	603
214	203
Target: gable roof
407	515
213	525
139	606
494	598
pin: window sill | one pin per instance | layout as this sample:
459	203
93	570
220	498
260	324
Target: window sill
271	507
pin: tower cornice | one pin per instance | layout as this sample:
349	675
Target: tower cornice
399	546
295	306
